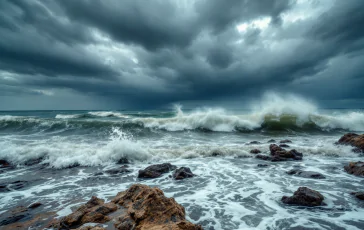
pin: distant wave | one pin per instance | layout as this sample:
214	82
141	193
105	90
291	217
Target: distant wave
91	115
108	114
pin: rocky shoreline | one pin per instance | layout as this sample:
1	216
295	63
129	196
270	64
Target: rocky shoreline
144	207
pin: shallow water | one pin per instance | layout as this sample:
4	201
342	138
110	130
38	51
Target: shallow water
229	191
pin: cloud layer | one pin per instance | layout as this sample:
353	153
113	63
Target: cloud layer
147	54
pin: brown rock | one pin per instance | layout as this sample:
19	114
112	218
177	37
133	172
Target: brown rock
280	154
255	151
353	140
355	168
34	205
94	211
148	208
304	197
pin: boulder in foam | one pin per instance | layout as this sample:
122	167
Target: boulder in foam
353	139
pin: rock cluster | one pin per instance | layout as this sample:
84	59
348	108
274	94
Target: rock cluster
155	171
140	207
353	139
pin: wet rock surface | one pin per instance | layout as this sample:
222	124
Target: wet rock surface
10	186
285	141
355	168
117	171
280	154
155	171
359	195
254	143
94	211
146	209
284	146
353	139
271	141
255	151
304	197
4	164
306	174
182	173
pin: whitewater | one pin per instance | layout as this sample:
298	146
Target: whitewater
75	149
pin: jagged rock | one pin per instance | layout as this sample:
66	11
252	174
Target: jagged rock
306	174
34	205
155	171
182	173
271	141
284	146
148	208
304	197
16	185
255	151
280	154
359	195
355	168
94	211
285	141
353	139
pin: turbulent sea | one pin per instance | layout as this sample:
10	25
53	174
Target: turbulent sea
76	148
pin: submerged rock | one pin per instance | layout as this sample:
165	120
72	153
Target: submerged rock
182	173
34	205
285	141
263	157
254	143
353	139
155	171
355	168
304	197
306	174
123	160
271	141
4	164
14	215
255	151
148	208
16	185
262	165
284	146
359	195
121	170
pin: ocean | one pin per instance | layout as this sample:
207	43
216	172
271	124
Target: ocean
74	150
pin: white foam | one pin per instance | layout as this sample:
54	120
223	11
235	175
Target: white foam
108	114
68	116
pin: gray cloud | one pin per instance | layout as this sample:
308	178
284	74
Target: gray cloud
150	53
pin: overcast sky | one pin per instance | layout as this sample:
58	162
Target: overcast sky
145	54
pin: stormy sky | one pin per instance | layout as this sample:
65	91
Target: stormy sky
141	54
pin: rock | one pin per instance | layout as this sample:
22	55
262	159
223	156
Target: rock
34	205
359	195
33	161
182	173
285	141
14	215
306	174
255	151
271	141
155	171
4	164
262	165
279	154
117	171
355	168
148	208
353	140
254	143
91	228
94	211
123	160
305	197
284	146
263	157
16	185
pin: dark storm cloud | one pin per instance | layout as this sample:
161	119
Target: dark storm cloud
151	53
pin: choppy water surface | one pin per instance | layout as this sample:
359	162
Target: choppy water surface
230	191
